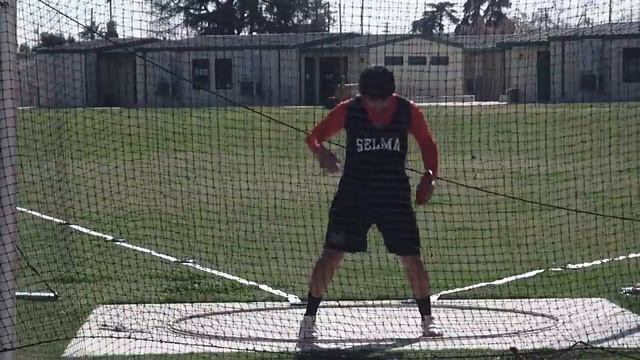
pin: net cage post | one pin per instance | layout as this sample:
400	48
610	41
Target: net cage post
8	185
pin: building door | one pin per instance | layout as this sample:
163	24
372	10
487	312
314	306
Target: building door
329	72
116	80
309	81
544	75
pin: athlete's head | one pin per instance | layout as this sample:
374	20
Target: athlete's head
376	86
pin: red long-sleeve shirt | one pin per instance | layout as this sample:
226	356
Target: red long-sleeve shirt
335	120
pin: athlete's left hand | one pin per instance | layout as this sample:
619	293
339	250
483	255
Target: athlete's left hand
425	188
327	160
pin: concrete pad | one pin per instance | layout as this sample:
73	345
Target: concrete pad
526	324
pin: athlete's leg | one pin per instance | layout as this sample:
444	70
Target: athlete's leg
417	275
323	271
401	236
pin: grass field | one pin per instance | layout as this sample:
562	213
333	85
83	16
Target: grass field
241	194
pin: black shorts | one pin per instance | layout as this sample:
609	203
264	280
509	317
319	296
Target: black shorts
355	208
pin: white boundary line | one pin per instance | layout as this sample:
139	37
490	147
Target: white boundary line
36	295
190	263
293	298
536	272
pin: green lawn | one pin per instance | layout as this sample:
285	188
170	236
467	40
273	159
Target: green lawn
241	194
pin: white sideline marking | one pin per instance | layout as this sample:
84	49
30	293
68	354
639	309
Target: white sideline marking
36	295
483	284
462	103
536	272
295	299
598	262
121	242
41	215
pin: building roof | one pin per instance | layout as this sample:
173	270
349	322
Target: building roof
479	42
356	41
203	42
488	42
318	42
257	41
601	30
373	40
97	45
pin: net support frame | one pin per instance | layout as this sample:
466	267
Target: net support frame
8	181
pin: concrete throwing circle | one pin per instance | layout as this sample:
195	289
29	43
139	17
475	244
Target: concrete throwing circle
360	323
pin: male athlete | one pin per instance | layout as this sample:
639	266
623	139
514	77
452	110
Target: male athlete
374	188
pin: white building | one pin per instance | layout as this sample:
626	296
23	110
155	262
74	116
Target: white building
600	63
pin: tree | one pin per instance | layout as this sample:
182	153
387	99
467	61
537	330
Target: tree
472	22
24	48
433	21
282	16
111	30
496	21
522	21
250	13
585	21
229	17
206	17
321	18
426	24
545	19
51	39
90	31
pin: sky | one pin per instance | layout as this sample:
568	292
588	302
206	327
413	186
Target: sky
397	15
380	16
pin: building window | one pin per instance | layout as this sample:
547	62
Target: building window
393	60
417	60
200	74
631	65
224	76
440	60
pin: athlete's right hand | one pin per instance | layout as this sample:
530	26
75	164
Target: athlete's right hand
425	188
327	160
